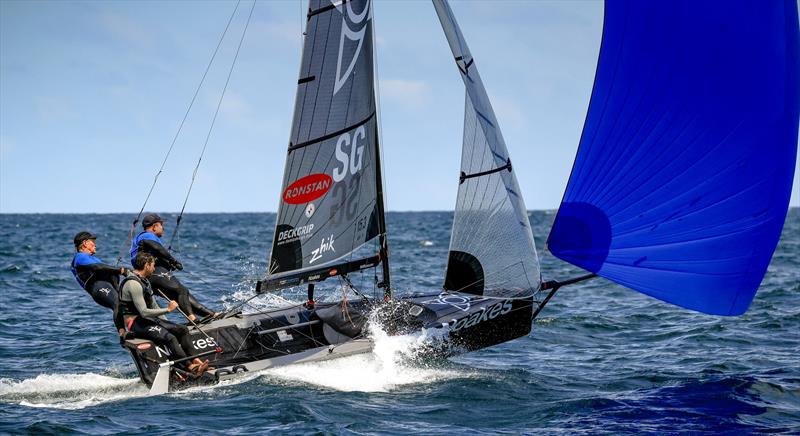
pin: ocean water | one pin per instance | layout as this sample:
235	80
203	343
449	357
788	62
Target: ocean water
600	358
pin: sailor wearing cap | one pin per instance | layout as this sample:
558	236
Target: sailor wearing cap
149	241
100	280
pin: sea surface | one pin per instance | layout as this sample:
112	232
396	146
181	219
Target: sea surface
600	358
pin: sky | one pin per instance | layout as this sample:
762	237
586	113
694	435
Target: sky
92	94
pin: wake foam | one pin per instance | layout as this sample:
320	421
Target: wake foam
69	391
393	363
263	302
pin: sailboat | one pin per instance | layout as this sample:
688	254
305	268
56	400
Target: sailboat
331	223
679	189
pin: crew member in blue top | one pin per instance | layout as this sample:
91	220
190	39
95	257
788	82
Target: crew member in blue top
100	280
149	241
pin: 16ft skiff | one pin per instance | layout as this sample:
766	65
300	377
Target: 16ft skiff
679	189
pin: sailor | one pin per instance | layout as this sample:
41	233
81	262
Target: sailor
100	280
149	241
146	320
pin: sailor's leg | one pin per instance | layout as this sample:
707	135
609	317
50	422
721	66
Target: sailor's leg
159	333
181	332
164	281
104	294
199	308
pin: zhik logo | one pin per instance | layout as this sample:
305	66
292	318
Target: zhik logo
324	247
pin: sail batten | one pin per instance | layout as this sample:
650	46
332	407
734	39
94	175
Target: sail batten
293	147
682	178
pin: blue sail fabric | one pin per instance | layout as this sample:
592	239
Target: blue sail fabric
683	175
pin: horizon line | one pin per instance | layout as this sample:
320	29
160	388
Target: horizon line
246	212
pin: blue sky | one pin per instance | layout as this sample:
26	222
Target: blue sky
91	94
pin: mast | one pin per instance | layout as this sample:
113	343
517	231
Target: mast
382	236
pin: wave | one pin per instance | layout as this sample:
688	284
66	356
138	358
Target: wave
69	391
393	363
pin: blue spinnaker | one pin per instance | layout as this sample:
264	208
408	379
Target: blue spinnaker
683	175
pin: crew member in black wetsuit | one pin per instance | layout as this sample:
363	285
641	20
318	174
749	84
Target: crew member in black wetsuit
145	319
100	280
149	241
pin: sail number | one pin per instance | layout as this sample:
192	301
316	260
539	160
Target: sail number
352	159
345	201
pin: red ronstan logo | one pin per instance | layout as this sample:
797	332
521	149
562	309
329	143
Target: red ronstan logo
307	189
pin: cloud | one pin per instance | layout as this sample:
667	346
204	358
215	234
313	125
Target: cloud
286	31
52	109
235	106
409	93
126	30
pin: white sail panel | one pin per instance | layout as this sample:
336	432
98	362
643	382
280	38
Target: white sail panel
492	250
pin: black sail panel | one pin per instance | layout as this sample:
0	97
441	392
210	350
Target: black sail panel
328	205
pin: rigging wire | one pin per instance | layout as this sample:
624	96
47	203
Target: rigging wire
177	134
211	128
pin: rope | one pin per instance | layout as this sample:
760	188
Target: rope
281	323
175	138
189	319
211	128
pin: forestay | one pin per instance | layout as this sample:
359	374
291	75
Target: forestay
329	209
682	178
491	247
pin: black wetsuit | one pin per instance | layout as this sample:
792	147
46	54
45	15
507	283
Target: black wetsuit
147	324
162	279
100	280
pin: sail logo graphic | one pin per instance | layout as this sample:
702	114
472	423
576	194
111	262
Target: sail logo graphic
485	314
352	35
299	233
324	247
461	302
307	189
353	160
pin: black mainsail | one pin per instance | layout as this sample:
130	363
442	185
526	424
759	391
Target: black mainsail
330	218
491	247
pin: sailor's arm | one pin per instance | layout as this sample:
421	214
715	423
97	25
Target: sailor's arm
84	262
170	306
158	250
137	296
96	268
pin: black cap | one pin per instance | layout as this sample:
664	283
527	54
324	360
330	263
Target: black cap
82	236
150	219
